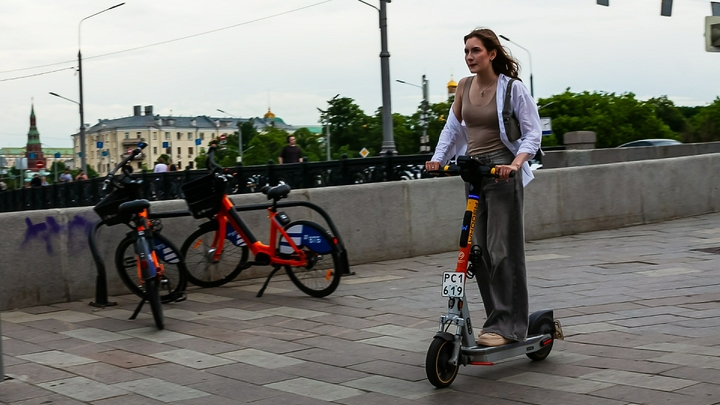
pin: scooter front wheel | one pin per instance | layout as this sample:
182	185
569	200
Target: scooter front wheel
438	369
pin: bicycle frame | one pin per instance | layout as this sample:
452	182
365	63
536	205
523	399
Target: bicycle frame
147	267
228	214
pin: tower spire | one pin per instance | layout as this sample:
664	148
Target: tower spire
33	150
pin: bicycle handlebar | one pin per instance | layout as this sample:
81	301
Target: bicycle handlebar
210	163
121	165
213	167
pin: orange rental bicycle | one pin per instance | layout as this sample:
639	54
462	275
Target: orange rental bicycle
144	256
218	251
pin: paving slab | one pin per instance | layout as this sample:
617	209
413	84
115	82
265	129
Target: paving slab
640	308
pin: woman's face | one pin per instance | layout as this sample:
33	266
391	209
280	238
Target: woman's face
477	57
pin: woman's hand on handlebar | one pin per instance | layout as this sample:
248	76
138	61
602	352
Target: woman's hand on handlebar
432	166
504	171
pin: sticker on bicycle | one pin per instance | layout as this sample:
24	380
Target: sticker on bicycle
233	236
305	236
165	253
453	284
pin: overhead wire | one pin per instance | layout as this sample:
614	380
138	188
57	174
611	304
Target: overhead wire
156	43
36	74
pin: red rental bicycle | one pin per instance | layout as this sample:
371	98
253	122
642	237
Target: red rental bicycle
218	251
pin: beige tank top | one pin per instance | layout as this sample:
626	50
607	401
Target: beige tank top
481	123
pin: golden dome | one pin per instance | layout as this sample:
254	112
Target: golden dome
269	114
452	84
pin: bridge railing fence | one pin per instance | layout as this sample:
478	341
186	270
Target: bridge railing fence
246	179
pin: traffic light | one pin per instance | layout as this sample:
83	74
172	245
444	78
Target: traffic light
712	33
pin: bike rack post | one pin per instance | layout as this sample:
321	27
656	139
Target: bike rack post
101	294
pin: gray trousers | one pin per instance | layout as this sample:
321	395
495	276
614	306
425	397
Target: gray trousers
499	230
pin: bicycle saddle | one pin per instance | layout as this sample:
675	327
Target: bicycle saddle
133	207
277	192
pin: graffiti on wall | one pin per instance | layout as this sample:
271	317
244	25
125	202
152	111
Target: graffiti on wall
76	230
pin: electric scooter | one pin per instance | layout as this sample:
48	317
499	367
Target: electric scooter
448	351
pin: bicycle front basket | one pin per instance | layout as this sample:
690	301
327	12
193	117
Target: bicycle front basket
107	208
204	195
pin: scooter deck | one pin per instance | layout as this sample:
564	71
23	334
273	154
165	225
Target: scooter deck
491	354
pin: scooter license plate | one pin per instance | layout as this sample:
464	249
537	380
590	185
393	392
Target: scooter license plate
453	284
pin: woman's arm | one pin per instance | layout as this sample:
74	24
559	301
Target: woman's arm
450	131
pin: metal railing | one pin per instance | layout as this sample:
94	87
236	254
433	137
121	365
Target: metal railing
246	179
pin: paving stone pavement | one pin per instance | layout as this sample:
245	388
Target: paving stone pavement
640	308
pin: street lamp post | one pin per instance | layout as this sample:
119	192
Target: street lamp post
388	144
532	92
240	151
327	141
424	147
83	158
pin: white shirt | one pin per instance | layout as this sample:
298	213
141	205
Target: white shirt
160	168
453	138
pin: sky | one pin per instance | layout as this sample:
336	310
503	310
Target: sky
295	55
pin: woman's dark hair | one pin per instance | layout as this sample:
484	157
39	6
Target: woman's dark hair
503	63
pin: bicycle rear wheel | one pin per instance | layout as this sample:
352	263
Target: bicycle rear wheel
173	282
321	274
203	269
152	295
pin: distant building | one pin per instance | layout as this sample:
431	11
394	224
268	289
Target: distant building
27	158
451	88
110	140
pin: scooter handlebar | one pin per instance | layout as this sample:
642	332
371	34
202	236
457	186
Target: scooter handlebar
456	169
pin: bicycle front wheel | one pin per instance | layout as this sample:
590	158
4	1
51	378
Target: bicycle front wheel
204	270
152	295
173	282
320	275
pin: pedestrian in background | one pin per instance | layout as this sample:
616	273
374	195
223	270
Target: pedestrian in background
81	176
160	166
66	177
290	153
35	181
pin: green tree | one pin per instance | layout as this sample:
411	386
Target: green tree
265	146
615	119
165	158
349	126
312	145
666	111
248	133
225	153
705	125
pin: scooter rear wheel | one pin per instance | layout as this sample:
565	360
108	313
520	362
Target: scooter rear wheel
438	369
546	327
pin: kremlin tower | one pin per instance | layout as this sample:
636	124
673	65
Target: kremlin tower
33	151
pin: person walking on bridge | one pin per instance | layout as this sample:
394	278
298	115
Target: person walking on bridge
290	153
